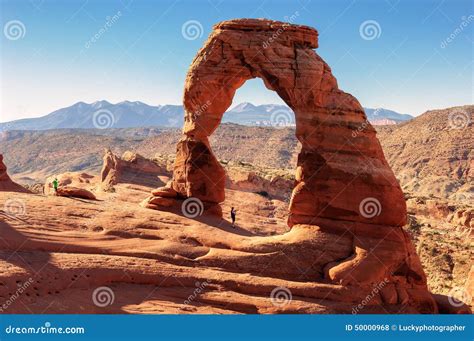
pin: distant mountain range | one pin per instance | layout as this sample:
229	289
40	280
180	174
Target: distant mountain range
382	116
431	154
102	114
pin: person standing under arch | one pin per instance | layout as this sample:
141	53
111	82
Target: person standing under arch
232	216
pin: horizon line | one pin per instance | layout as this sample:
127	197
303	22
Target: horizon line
172	104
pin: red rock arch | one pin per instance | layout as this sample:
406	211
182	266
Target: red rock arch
341	163
347	207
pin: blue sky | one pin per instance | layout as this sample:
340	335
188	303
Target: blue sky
409	67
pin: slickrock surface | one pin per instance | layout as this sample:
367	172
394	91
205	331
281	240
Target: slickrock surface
62	251
6	184
163	262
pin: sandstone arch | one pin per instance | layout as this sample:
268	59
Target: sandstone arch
346	209
341	163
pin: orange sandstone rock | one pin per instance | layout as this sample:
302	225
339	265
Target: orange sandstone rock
341	162
345	195
131	168
6	183
75	180
74	192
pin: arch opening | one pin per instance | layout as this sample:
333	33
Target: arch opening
255	105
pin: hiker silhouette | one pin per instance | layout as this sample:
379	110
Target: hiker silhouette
232	216
55	184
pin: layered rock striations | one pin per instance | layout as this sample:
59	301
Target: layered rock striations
341	162
346	208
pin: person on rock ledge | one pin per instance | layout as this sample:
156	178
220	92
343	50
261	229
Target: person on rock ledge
55	185
232	216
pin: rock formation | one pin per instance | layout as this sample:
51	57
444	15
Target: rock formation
71	184
433	154
440	209
248	180
7	184
345	196
131	168
74	192
341	162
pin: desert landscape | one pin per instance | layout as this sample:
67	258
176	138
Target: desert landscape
334	215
